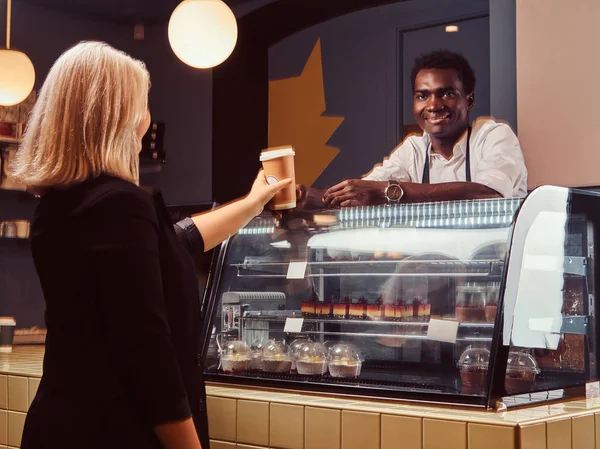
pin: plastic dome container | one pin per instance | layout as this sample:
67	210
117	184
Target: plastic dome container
491	303
276	357
256	348
344	361
470	302
521	372
295	349
311	359
235	356
473	365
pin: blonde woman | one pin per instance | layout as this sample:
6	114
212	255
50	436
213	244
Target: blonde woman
122	365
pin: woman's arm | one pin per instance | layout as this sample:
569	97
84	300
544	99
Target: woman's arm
215	226
178	435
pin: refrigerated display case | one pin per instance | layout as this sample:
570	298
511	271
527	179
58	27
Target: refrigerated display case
486	303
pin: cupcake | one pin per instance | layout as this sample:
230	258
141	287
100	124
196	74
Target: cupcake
256	360
311	359
344	361
295	350
235	356
276	357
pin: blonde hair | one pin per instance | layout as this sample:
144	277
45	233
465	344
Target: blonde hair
85	120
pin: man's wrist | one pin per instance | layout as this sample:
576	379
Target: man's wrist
393	192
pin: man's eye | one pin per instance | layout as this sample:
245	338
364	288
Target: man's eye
449	95
420	97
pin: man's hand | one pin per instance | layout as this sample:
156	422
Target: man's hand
355	192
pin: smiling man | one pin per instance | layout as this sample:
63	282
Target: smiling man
451	160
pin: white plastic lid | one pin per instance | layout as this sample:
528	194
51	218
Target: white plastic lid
7	321
268	155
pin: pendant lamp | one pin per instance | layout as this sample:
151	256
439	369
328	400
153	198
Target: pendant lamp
202	33
17	74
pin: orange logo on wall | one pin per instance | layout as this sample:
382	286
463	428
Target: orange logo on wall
296	107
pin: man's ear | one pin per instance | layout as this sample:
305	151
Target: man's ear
471	101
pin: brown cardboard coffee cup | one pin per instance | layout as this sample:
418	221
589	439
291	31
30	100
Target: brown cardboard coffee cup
7	333
278	164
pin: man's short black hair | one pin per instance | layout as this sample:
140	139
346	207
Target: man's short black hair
446	59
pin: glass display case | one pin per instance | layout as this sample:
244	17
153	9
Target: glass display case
486	303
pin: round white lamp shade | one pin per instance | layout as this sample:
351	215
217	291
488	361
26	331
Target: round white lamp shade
202	33
17	77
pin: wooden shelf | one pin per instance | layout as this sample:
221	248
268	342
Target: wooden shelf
9	140
148	165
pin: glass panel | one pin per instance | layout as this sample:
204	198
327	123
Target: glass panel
375	279
548	303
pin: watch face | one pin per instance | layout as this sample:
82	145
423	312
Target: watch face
393	192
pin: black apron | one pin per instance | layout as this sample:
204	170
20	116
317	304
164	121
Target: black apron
425	179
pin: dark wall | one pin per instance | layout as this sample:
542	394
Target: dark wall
367	56
179	96
503	60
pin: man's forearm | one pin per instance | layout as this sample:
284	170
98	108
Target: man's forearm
313	199
447	191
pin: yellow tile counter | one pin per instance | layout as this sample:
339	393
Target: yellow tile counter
245	417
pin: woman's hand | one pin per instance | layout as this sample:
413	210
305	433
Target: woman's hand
261	192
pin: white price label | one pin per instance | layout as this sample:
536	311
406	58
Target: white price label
293	325
296	270
442	330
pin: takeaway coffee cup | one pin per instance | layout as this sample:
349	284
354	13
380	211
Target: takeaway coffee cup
278	164
7	333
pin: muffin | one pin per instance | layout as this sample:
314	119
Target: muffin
311	359
344	361
256	360
235	356
295	349
276	357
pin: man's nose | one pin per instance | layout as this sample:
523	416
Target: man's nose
434	103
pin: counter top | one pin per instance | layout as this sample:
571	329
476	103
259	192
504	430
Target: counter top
24	360
515	417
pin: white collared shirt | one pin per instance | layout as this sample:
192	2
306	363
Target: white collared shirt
496	161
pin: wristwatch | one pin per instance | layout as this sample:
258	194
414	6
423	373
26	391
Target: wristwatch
393	192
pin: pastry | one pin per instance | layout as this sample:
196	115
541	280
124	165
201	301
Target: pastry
357	311
490	313
234	363
312	365
277	364
375	311
324	309
345	367
308	308
341	310
470	314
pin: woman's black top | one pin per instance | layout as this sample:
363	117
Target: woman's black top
123	316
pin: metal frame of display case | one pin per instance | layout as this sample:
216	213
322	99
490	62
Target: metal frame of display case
454	214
